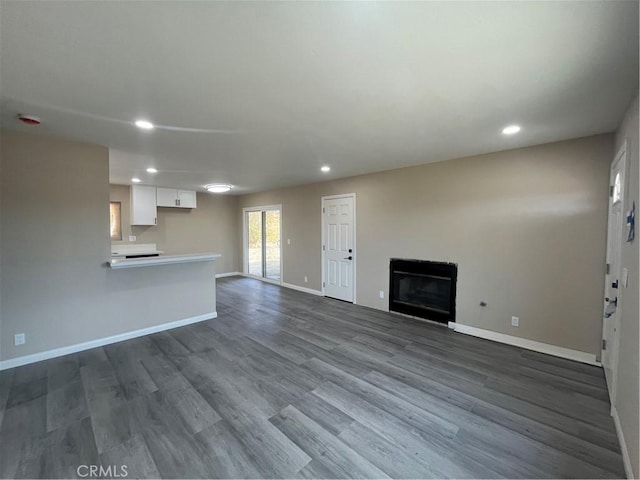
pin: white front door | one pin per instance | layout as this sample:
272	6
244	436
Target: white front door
613	283
338	220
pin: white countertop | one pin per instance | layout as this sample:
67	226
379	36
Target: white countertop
161	260
122	250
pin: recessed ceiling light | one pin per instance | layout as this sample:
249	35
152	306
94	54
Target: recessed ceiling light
218	187
325	168
144	124
136	180
152	170
511	129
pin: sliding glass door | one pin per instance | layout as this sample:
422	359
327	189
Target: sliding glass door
263	248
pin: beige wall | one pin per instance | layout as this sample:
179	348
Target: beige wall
626	398
526	227
211	227
54	242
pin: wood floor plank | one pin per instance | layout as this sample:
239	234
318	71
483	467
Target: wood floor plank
194	410
6	381
440	429
271	451
413	440
134	455
324	447
520	417
161	369
22	426
578	448
101	386
175	451
58	454
113	426
133	377
229	457
66	404
302	331
314	470
171	348
62	371
324	414
91	357
27	390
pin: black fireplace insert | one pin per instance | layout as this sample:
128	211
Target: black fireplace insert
423	289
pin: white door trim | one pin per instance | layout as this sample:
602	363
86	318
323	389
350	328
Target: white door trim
621	156
245	253
355	244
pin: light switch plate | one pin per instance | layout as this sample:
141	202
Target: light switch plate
625	277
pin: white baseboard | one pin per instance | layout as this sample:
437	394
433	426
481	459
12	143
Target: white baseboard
528	344
286	285
228	274
78	347
623	445
302	289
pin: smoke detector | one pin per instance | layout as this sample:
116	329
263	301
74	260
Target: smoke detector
28	119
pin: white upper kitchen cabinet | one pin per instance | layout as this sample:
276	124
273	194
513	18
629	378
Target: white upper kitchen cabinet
173	197
143	205
187	198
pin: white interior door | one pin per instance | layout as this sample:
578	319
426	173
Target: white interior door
613	284
338	215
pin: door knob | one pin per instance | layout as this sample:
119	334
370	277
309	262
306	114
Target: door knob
348	258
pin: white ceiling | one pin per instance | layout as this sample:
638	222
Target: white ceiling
275	90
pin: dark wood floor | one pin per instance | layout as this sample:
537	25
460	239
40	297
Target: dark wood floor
286	384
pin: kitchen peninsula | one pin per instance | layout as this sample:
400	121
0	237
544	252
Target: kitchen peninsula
160	292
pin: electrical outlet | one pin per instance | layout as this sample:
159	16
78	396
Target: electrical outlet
19	339
288	241
381	293
305	279
132	238
515	321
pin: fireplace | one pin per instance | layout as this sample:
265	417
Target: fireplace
423	289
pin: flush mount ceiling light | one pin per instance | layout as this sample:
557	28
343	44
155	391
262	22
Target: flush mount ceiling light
325	168
511	129
218	187
29	119
136	180
152	170
144	124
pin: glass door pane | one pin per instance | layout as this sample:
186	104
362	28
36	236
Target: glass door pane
272	244
255	247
